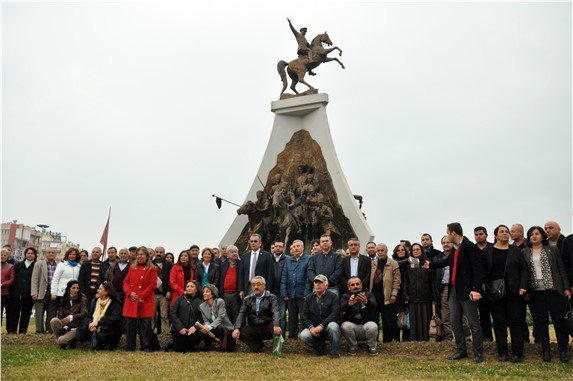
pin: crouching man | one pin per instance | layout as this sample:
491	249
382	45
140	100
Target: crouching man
359	317
260	310
320	315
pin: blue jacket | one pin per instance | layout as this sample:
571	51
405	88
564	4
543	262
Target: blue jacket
294	281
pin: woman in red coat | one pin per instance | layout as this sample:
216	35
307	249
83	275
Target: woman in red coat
180	274
139	285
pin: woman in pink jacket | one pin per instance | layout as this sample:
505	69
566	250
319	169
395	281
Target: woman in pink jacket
139	286
6	279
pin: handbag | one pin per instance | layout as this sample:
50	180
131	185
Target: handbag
402	317
568	326
495	290
436	326
227	343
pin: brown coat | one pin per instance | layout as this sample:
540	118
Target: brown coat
390	278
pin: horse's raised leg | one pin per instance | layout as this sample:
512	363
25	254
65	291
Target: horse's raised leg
328	59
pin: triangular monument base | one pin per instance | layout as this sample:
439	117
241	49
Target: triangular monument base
305	193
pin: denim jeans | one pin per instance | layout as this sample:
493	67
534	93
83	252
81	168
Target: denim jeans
331	333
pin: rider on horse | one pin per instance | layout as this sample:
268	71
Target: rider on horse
303	45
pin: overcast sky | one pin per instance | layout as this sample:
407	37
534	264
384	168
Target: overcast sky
445	112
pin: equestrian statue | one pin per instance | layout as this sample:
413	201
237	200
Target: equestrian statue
309	56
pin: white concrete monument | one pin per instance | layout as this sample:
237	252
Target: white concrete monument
303	194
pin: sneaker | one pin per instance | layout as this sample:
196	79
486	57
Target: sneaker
373	352
335	356
352	351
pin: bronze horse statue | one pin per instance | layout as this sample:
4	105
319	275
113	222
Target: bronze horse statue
297	68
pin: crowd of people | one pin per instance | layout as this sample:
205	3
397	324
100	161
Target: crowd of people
216	297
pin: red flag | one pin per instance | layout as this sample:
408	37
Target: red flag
103	239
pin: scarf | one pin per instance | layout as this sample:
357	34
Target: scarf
101	308
545	271
72	263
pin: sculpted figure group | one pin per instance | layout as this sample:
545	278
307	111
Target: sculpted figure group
282	212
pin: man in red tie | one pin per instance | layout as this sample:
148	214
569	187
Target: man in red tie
465	282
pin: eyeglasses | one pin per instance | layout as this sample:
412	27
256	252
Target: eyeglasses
352	244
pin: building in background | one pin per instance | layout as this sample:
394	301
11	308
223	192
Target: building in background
21	236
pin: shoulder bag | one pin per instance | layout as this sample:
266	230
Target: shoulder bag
436	326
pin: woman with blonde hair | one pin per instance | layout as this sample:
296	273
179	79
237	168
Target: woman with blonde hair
139	286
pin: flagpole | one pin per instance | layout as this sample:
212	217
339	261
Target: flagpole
103	239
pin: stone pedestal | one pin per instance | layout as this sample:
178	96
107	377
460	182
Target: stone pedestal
301	135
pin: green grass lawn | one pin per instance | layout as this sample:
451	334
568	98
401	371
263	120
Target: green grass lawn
36	357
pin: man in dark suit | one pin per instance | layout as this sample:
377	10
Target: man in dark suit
355	265
255	262
466	278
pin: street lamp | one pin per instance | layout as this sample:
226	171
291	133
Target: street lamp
43	227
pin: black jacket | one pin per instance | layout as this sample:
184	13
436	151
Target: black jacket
328	312
417	285
278	269
85	278
22	286
163	274
560	280
364	266
516	272
438	275
359	313
567	254
111	322
432	253
185	312
224	268
329	265
268	311
469	275
213	275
